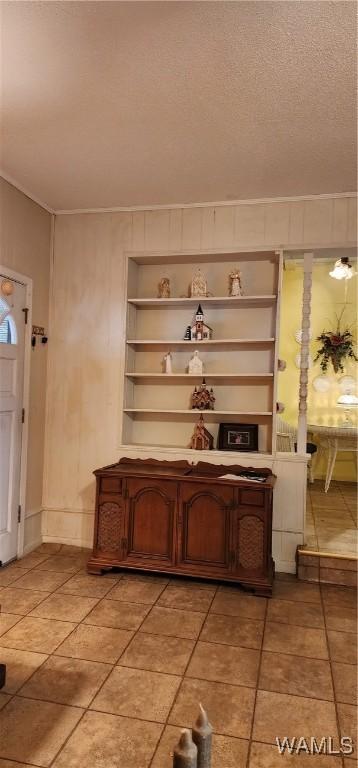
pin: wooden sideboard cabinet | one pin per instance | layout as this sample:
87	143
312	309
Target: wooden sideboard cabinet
181	518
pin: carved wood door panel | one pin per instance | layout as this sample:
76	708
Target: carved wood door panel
110	526
250	536
204	527
151	512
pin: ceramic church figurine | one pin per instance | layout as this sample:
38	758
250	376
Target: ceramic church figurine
167	361
235	283
195	364
201	439
164	288
203	398
200	331
198	284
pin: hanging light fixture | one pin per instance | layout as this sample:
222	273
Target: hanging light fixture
342	269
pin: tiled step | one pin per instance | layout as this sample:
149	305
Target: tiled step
326	568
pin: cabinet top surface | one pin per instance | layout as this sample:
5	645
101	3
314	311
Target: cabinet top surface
183	470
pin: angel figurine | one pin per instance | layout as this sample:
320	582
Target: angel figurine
235	288
167	361
164	288
195	364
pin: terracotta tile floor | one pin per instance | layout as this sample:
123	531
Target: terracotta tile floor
331	518
104	671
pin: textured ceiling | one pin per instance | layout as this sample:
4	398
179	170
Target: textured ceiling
142	103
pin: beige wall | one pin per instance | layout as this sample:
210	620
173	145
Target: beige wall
87	311
25	231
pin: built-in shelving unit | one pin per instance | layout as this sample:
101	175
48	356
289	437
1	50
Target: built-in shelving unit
240	360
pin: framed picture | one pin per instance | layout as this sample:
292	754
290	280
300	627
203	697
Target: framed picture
238	437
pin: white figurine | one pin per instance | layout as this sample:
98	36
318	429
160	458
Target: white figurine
235	283
167	360
196	364
164	288
198	285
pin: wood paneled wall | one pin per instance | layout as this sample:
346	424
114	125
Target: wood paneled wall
87	322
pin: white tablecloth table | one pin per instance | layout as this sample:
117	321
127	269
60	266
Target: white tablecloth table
334	439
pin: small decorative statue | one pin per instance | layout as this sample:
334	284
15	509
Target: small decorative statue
200	331
198	284
185	753
235	288
201	439
202	737
203	398
167	362
196	364
164	288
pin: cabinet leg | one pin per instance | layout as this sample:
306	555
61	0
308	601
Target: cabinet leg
97	570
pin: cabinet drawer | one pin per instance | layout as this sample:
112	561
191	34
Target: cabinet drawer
110	484
252	498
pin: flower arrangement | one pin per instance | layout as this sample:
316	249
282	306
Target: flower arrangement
336	347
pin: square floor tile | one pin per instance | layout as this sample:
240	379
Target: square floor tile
34	731
230	707
305	593
20	601
186	598
20	665
114	613
66	681
297	675
158	653
108	741
85	585
138	693
87	642
295	612
226	751
44	581
232	603
41	635
341	619
4	698
8	575
32	560
61	564
7	620
279	714
65	607
267	756
347	715
343	597
232	630
285	638
133	591
345	682
224	664
174	623
342	647
48	548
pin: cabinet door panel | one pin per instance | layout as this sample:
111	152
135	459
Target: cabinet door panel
204	522
151	517
110	526
251	543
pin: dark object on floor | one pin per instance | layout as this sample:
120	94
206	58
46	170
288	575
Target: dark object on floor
2	675
311	448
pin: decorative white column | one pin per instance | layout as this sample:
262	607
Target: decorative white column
306	322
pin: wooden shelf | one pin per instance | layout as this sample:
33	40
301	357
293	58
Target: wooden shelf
209	301
184	377
202	454
210	415
198	344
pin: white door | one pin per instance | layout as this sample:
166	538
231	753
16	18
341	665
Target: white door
12	335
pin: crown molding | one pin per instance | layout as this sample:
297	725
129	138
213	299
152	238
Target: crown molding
217	204
24	191
172	206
